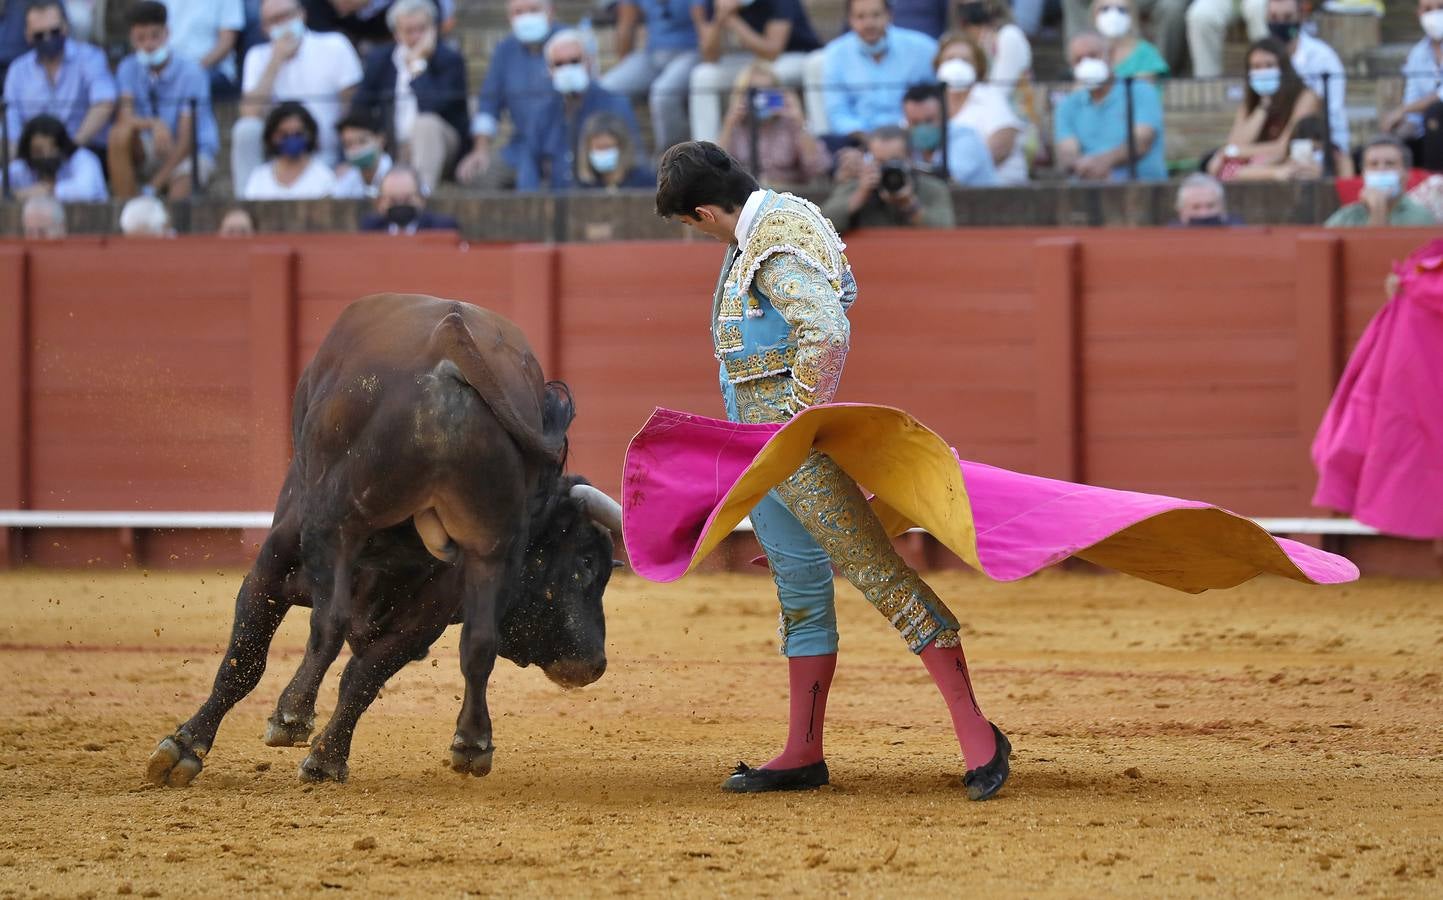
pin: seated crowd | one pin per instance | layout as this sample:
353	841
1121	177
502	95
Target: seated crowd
373	102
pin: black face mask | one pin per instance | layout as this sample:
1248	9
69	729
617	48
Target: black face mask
402	214
1286	32
973	13
46	167
1206	222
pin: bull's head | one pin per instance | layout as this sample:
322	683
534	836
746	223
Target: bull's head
557	621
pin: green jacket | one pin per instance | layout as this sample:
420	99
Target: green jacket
1405	212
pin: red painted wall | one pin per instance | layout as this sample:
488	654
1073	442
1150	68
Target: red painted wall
157	375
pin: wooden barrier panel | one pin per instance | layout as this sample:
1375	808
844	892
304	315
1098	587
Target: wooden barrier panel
159	374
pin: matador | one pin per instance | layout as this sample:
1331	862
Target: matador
780	332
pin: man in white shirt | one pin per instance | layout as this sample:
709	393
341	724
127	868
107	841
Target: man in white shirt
1422	87
206	32
318	70
1313	59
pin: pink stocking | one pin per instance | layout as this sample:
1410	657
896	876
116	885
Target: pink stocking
811	679
948	668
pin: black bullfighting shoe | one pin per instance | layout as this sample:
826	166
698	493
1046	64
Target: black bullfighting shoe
984	781
746	780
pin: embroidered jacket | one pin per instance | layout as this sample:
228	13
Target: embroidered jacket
781	308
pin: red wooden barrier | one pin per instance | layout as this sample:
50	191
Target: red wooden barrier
158	375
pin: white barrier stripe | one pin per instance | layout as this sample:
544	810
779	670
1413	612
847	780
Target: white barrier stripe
27	518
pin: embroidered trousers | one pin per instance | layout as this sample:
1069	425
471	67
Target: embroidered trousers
818	519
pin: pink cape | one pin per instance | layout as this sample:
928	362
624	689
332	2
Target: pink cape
689	480
1379	451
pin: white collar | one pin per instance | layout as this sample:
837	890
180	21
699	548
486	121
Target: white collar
749	212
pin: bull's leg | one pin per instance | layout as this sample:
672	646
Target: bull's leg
261	604
375	662
471	748
295	716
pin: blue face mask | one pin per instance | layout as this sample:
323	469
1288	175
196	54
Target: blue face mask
1265	82
926	137
154	59
605	161
293	146
877	47
50	47
295	28
1390	183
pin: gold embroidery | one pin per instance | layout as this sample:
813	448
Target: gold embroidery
728	337
832	509
759	365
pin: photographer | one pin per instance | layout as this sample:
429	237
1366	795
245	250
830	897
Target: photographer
883	190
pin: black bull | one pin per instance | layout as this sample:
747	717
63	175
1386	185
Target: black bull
427	487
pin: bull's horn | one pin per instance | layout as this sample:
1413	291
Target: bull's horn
603	510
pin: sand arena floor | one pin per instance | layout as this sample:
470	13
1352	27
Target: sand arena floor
1275	740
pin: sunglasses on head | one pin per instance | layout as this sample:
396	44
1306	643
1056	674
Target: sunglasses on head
38	36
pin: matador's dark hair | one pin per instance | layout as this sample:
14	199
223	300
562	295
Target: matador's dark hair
699	173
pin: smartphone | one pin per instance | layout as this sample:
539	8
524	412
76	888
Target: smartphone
768	103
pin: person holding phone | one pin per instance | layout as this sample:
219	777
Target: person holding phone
1275	100
787	152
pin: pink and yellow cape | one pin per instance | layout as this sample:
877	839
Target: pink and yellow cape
689	480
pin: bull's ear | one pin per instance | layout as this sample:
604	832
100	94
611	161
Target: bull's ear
618	564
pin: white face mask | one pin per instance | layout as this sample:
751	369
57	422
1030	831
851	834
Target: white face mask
1433	24
957	74
570	79
295	28
1113	23
1091	72
531	28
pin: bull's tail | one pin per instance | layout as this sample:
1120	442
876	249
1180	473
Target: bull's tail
457	344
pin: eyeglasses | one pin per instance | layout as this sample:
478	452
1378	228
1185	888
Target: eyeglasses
38	36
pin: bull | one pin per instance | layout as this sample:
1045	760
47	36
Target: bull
427	487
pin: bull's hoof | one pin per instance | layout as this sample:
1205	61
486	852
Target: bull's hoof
175	763
471	759
314	771
289	730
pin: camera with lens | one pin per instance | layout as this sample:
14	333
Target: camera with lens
894	176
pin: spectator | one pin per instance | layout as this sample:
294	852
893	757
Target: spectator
401	207
207	33
424	82
1128	54
237	223
145	217
1005	45
156	134
790	154
65	78
774	31
1306	153
1201	202
866	71
548	156
1090	125
1207	28
926	16
49	164
361	21
517	80
42	218
319	70
1386	161
889	192
962	69
366	159
1419	121
293	172
1273	103
663	66
968	161
607	157
1315	62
